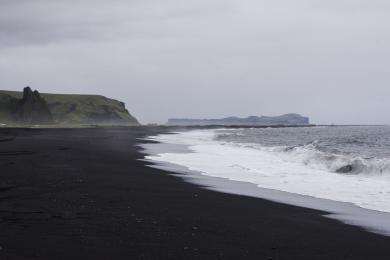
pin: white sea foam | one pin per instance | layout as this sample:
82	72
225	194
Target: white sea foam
301	170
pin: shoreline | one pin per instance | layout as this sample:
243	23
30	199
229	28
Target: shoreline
372	220
86	194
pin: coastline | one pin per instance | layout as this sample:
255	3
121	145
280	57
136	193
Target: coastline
87	194
346	212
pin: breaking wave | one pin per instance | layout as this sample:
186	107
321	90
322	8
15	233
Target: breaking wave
310	155
317	168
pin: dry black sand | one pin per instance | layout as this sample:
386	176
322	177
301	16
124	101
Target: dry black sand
82	194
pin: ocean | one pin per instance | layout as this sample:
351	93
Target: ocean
343	171
346	164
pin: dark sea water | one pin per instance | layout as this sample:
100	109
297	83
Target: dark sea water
363	149
343	164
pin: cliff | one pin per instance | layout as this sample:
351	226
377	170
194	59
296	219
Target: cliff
288	120
64	109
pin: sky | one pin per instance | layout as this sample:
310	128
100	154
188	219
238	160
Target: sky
328	60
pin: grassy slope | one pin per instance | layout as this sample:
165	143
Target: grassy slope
73	109
7	105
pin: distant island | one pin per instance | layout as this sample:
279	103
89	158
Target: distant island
285	120
32	108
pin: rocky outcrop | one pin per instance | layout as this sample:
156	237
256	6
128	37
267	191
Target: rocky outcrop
33	109
345	169
285	120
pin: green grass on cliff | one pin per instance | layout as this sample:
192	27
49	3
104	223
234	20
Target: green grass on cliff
73	109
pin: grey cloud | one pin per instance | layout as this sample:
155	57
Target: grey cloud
173	58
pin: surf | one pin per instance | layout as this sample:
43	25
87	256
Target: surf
302	169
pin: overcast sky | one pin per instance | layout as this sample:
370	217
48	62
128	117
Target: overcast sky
329	60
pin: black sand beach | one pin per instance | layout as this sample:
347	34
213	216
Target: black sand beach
82	194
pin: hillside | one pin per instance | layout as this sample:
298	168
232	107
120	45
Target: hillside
71	109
